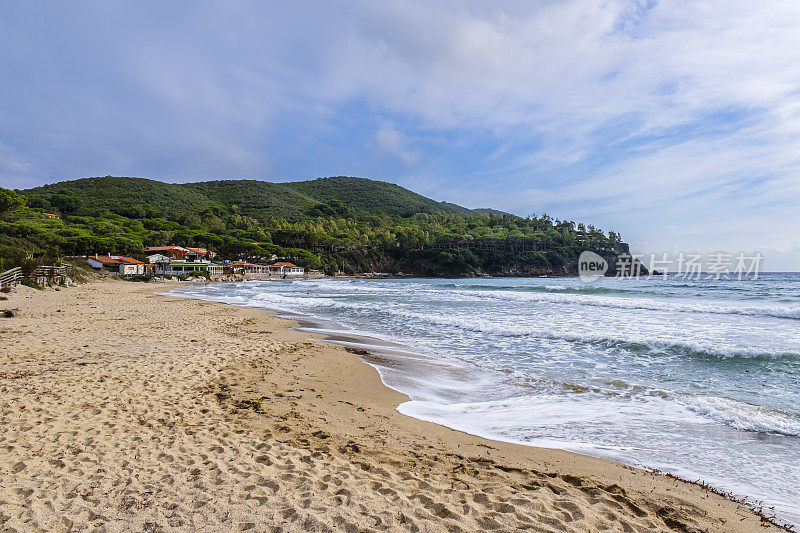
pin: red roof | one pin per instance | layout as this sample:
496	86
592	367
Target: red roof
106	260
202	251
118	260
164	248
282	264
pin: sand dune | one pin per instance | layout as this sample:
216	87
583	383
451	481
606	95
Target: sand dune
126	410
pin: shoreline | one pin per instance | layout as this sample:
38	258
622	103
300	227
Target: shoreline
266	428
384	354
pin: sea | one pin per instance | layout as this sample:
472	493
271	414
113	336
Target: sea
699	378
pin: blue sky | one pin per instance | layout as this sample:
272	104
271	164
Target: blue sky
674	123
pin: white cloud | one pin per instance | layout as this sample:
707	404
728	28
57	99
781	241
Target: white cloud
16	172
675	114
394	143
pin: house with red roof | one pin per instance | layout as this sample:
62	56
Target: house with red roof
170	252
243	267
179	252
178	260
119	264
200	253
285	269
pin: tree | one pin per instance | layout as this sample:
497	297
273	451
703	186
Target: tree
66	203
10	200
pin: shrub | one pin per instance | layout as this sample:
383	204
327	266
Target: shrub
145	278
32	284
198	274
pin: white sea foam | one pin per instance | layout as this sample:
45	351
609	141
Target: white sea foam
741	415
642	304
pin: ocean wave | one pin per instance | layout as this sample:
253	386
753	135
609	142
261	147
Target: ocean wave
629	286
744	416
578	289
638	346
557	294
687	349
789	312
634	344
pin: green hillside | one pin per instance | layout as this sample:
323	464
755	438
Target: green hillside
119	195
374	196
338	223
261	199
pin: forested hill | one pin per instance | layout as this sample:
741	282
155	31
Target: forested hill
260	199
331	224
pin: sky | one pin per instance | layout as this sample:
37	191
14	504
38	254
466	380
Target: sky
675	123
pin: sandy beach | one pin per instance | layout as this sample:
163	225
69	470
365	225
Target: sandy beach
123	409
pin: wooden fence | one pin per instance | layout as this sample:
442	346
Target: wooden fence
47	275
10	278
42	275
51	271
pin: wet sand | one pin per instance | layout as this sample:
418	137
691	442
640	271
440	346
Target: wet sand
123	410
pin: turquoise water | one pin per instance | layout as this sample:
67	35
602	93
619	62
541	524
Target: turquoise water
698	378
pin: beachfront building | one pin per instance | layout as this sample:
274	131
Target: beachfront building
179	252
200	254
157	258
177	260
176	268
285	270
119	264
171	252
243	267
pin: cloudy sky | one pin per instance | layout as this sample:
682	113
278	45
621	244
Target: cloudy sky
674	123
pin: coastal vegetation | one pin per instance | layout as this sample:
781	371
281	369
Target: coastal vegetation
330	224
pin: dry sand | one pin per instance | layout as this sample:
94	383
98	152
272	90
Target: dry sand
122	410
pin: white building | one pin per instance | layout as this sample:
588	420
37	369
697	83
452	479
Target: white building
176	268
176	260
285	270
119	264
157	258
243	267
